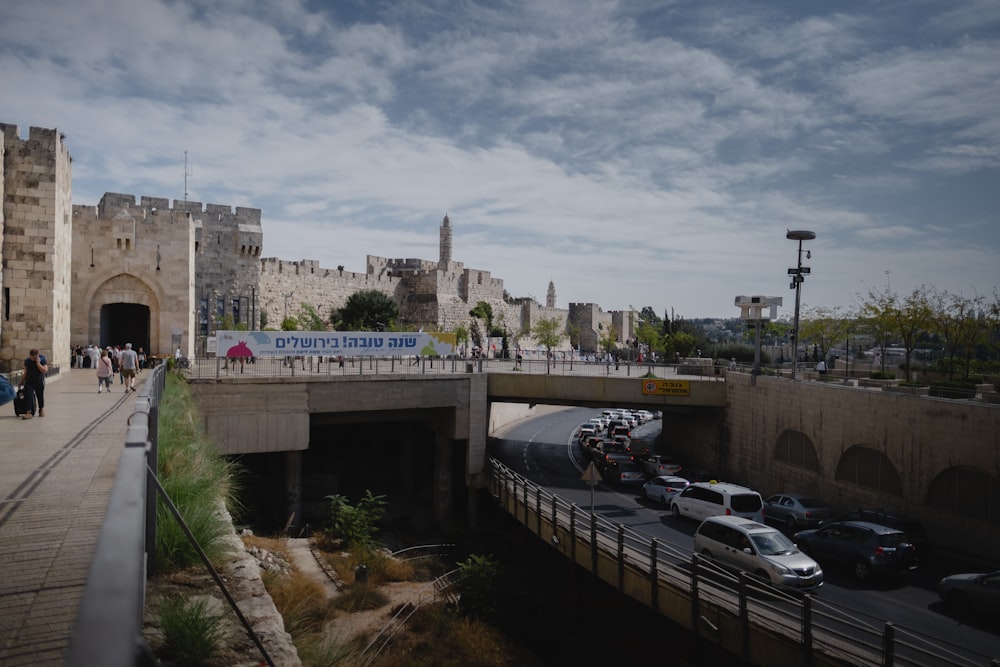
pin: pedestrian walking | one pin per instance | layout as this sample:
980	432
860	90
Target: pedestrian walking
105	372
128	362
33	383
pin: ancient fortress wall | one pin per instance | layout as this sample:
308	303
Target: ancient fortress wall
293	283
38	236
129	253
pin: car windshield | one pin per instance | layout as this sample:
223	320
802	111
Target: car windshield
773	544
892	539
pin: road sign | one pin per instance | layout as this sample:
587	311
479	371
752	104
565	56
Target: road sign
592	475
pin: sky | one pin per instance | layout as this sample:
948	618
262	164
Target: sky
635	153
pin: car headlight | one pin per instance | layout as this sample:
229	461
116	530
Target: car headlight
780	569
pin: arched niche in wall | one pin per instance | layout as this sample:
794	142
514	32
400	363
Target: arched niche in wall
869	467
795	447
971	492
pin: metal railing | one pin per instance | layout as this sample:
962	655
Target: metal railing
215	368
811	627
108	628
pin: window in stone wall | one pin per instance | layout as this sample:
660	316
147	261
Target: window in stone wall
796	448
967	491
869	467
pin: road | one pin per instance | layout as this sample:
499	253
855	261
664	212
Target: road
544	450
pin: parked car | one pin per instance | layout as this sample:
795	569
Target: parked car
761	550
626	473
977	592
867	548
658	465
910	525
701	500
661	489
796	511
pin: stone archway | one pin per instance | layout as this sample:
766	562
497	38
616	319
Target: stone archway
125	307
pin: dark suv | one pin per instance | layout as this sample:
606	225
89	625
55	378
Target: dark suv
867	548
910	525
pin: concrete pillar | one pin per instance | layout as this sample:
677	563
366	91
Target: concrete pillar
293	488
442	479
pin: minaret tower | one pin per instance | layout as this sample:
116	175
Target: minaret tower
550	297
445	250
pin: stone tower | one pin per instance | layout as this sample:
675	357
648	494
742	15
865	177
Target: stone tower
445	250
36	229
550	296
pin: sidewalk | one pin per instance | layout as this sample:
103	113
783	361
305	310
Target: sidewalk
56	474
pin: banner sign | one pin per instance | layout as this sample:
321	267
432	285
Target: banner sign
333	343
666	387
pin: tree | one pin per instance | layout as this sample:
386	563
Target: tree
609	340
461	334
368	310
648	335
309	319
912	317
649	316
875	317
290	324
823	327
484	311
955	318
547	333
357	524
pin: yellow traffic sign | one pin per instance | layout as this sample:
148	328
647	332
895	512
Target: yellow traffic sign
666	387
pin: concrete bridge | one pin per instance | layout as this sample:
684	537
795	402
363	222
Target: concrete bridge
852	446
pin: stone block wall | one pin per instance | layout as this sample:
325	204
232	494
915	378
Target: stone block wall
921	437
129	253
306	282
37	214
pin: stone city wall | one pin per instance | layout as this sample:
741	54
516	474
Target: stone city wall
37	212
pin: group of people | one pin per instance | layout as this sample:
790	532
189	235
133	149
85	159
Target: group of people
123	361
126	362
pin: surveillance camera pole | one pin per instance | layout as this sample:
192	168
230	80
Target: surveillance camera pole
797	274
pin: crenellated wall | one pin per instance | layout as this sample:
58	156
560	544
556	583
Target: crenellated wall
134	253
37	237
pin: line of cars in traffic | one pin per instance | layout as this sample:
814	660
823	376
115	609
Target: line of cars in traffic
784	538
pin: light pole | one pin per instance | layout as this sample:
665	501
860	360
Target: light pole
797	274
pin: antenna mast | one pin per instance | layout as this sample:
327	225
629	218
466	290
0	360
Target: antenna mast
186	172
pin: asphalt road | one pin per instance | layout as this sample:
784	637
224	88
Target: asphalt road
544	450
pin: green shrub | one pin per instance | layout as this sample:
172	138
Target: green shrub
191	632
357	524
196	479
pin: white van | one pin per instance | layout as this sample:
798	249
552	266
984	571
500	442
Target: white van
744	544
704	499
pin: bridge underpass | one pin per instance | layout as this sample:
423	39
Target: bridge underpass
420	437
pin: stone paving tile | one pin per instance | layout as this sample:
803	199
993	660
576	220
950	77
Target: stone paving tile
55	483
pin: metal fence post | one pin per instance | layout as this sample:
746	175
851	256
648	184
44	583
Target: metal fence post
621	559
538	510
744	615
694	594
593	542
889	645
807	629
654	577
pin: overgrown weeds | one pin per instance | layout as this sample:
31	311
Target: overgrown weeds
191	630
196	479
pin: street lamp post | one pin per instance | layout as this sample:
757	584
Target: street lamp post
797	274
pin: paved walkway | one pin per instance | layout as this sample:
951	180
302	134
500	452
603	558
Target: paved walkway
56	474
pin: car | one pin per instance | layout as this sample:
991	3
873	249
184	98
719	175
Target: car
867	548
625	473
910	525
598	423
584	430
658	465
661	489
763	551
613	458
972	591
796	511
700	500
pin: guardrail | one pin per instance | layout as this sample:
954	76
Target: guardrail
748	617
108	628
